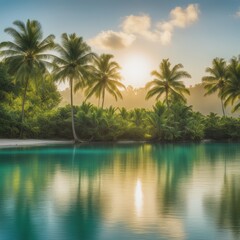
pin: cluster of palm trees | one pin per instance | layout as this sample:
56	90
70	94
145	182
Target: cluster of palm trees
31	59
224	79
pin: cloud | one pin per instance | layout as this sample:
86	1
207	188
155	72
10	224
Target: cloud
112	40
183	17
179	18
237	14
135	26
165	37
139	25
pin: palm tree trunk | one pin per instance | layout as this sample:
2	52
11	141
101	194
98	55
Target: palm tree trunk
167	100
223	108
23	105
103	96
99	101
73	124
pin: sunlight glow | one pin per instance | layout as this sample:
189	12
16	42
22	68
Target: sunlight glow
138	197
136	70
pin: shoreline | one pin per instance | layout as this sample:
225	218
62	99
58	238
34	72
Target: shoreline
8	143
11	143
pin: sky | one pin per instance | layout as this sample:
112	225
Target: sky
139	33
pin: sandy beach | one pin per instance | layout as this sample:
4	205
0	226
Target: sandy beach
29	142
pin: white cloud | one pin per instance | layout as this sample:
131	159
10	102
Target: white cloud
179	18
183	17
165	26
139	25
134	26
112	40
165	37
165	32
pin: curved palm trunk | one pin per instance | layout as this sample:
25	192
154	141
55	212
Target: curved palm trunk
73	124
223	110
23	105
103	96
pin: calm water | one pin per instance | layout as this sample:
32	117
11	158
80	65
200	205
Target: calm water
183	191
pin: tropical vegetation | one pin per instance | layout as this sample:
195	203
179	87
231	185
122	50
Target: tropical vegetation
105	78
31	66
72	65
225	79
27	56
167	81
216	81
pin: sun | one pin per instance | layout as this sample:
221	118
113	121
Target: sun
136	69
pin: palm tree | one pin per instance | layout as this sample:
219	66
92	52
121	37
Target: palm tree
123	113
137	116
216	81
231	92
72	65
167	82
26	56
105	77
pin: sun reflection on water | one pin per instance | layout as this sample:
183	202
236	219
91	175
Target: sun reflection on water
138	198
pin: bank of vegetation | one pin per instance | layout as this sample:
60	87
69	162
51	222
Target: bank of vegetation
32	65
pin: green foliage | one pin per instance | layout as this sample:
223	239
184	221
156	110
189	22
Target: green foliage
216	81
178	123
39	103
167	82
9	123
28	92
43	98
55	124
225	79
26	56
72	65
6	83
231	91
73	61
98	124
220	128
123	113
104	76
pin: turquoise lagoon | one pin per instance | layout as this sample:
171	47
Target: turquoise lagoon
121	191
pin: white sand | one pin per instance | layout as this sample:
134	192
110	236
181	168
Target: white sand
29	142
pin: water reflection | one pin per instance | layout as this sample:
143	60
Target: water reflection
138	198
186	191
225	208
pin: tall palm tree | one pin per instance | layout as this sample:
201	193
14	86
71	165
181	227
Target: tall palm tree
231	92
216	81
105	77
167	82
72	65
27	55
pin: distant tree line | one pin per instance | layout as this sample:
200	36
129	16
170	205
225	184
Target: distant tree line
32	65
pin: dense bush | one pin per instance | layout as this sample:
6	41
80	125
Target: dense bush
9	123
221	127
178	123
